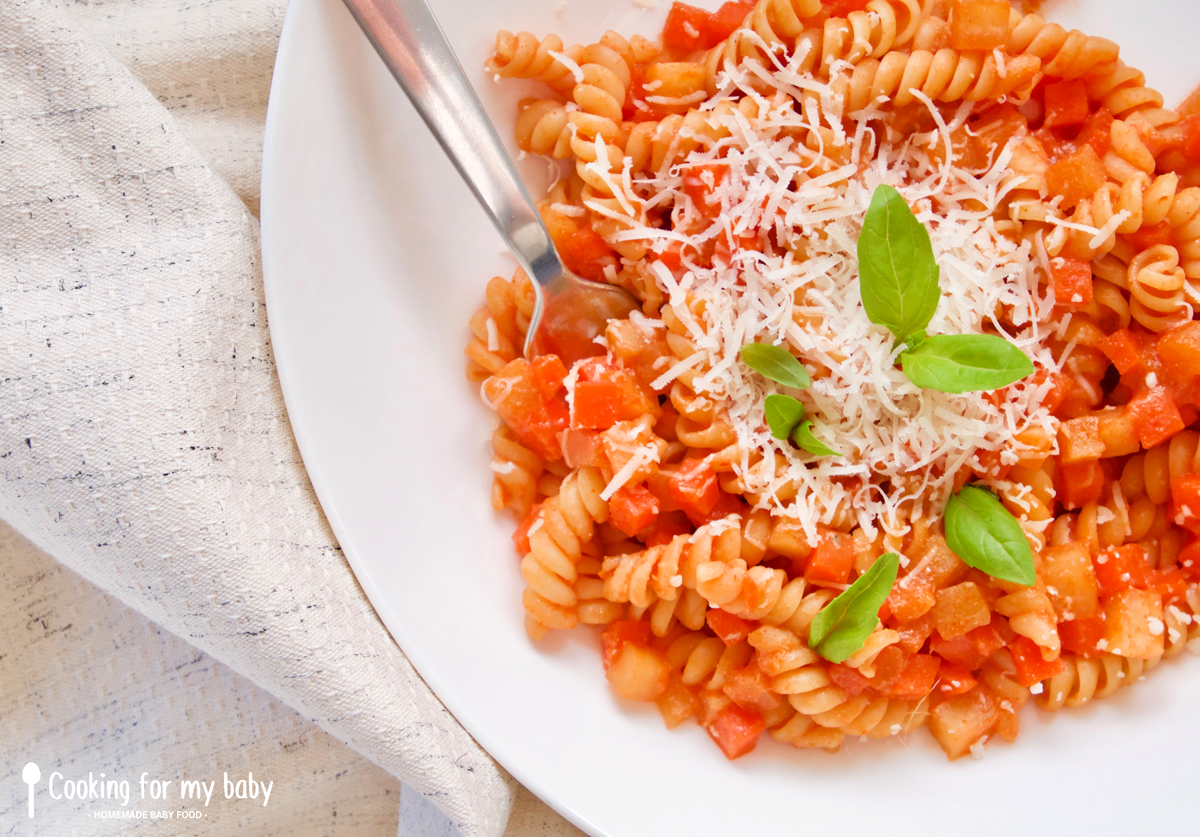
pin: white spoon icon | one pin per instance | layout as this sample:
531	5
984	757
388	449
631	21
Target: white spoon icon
31	775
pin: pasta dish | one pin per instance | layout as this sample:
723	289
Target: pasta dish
904	432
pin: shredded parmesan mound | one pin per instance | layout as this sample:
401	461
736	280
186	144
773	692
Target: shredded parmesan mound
899	443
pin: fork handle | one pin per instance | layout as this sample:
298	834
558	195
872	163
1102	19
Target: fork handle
412	45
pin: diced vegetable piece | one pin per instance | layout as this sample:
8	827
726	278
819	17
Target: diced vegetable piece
832	560
581	448
665	527
520	537
750	689
913	634
960	609
585	253
674	79
979	24
1070	580
996	126
1189	560
991	638
1117	433
606	394
1179	351
1066	104
1076	177
731	629
848	679
677	703
638	349
1121	567
1133	624
688	28
1185	494
638	672
911	598
1081	635
954	680
961	721
694	487
1155	415
550	373
1097	131
1071	280
632	508
1169	583
1079	483
1191	138
1079	440
736	730
961	651
728	18
1152	236
1031	668
1123	350
619	633
917	679
536	420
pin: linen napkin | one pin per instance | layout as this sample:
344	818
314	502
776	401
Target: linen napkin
144	441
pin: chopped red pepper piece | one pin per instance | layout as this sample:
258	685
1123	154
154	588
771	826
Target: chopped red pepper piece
731	629
1031	668
1155	416
632	508
736	730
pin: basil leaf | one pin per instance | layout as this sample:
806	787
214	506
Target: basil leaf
783	414
965	363
898	276
776	363
807	440
843	626
915	339
981	532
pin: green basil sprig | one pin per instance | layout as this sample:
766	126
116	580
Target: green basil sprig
964	363
807	440
844	624
783	414
898	274
983	533
898	281
776	363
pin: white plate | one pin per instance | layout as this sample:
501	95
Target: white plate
375	255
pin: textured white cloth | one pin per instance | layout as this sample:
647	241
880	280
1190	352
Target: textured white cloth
143	437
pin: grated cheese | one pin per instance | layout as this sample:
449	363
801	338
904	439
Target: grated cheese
901	443
569	63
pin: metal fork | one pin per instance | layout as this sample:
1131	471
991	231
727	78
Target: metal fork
570	311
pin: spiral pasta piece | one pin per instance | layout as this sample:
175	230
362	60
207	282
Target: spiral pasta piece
1062	53
556	541
1156	288
944	76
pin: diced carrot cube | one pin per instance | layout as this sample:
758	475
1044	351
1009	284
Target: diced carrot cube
1189	560
1079	440
1152	236
1170	583
848	679
1121	567
520	537
750	689
619	633
1179	351
1123	350
632	508
917	679
979	24
961	651
1031	668
731	629
535	419
1076	177
581	448
1081	635
832	560
913	634
1097	132
911	598
1066	104
1155	415
585	253
991	638
736	730
1191	137
1079	483
550	373
694	487
1071	280
954	680
1185	492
